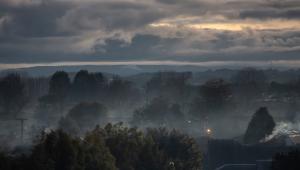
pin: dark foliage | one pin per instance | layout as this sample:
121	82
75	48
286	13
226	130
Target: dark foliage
261	125
110	148
215	93
88	86
59	88
84	116
170	85
159	112
153	149
249	84
122	93
59	84
12	94
213	98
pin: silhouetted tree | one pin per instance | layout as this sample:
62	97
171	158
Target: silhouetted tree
59	84
59	151
109	148
125	144
86	115
260	126
215	93
69	126
36	87
154	112
55	150
122	92
153	149
171	85
59	87
81	82
12	94
182	151
88	86
176	118
47	110
249	84
214	97
98	86
160	112
98	155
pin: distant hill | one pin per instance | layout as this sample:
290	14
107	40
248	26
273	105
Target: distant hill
122	70
141	74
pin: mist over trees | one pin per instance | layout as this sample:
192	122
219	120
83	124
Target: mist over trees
13	97
54	102
66	108
83	116
88	86
214	96
121	93
250	83
159	112
59	88
171	85
168	99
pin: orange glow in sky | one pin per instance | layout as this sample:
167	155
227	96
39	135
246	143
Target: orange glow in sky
277	24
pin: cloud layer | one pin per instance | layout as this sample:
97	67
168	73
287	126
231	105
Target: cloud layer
114	30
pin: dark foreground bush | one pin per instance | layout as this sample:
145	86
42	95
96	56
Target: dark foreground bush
110	148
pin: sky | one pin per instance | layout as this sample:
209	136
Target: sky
53	32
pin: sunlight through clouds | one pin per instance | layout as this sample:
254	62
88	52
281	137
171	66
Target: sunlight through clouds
129	30
238	25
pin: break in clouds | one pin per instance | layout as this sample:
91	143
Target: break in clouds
112	30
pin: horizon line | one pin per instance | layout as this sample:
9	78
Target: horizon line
229	63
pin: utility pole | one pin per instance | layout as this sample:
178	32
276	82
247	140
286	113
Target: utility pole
22	127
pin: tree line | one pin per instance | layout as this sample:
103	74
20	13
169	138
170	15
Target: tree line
110	148
166	99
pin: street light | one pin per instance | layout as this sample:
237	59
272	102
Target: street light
208	132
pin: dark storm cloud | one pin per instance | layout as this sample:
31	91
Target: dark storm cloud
147	46
35	20
110	16
52	30
52	18
224	45
244	8
59	18
270	9
271	14
59	30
